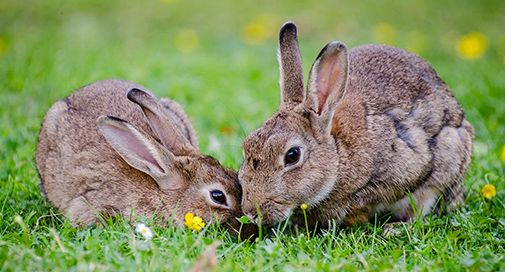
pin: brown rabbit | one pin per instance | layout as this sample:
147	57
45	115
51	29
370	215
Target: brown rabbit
376	128
91	161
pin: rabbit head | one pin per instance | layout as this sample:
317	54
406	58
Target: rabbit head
289	160
187	180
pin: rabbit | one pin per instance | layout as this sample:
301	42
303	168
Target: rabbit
376	130
112	148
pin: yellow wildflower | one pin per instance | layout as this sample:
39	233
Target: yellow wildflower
488	191
384	33
304	207
3	46
503	153
193	222
259	29
416	42
186	40
255	33
228	130
472	46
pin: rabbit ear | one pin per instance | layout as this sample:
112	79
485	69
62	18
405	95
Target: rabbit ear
160	122
328	80
140	151
290	65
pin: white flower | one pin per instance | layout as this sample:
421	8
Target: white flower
214	144
144	230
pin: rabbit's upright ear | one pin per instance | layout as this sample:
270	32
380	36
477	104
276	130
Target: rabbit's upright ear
290	65
160	122
327	81
140	151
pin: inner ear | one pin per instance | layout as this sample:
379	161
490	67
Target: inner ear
125	139
141	151
328	78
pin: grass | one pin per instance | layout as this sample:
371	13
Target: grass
226	77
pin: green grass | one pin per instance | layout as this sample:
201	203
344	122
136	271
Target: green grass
229	87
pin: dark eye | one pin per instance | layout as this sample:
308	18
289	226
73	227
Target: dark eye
292	156
218	197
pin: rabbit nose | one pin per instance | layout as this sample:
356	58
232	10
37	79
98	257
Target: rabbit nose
250	212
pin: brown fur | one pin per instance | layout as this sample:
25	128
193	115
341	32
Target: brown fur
84	175
376	125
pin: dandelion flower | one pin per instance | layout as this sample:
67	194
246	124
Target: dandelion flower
144	230
384	33
304	207
259	29
193	222
255	33
3	46
472	46
416	42
186	40
228	130
488	191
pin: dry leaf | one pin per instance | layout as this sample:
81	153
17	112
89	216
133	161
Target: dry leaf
208	260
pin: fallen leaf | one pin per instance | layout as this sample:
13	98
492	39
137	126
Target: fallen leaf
208	260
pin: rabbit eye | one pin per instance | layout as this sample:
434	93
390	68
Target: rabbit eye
292	156
218	197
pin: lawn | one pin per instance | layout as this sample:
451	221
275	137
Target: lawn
219	61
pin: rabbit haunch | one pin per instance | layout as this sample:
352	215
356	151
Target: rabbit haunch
112	148
376	125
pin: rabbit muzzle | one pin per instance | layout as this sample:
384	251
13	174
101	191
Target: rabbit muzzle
268	212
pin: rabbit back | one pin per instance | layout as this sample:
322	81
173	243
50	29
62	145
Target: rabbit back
407	132
80	172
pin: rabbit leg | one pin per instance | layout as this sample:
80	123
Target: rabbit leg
458	143
80	211
417	204
359	216
451	150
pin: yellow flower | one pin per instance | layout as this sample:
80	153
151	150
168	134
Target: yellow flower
193	222
303	206
416	42
186	40
259	29
472	46
384	33
255	33
3	46
503	153
488	191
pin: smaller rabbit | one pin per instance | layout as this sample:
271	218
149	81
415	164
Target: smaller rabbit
376	130
112	148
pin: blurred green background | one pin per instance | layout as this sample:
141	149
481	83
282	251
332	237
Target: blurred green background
218	59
